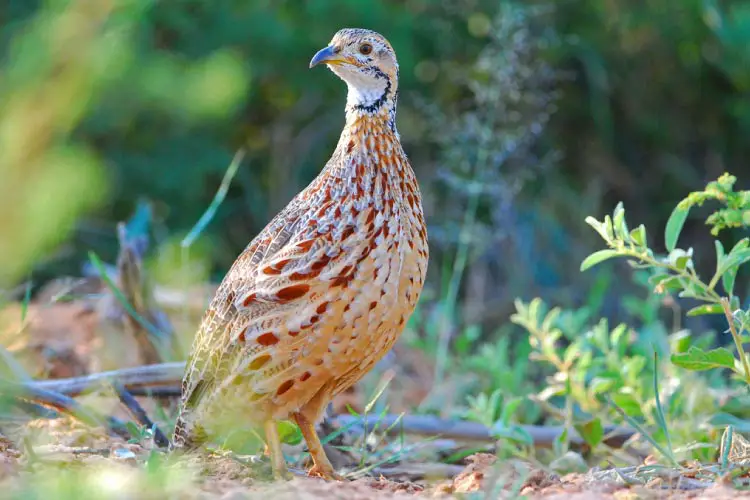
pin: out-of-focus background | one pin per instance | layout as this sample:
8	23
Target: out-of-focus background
144	143
545	111
520	119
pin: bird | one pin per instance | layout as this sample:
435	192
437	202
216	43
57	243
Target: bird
325	290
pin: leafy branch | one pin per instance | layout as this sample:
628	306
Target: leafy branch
675	271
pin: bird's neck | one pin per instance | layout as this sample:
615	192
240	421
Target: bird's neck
385	117
369	152
375	103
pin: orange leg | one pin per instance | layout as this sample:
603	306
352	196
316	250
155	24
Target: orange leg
273	443
321	465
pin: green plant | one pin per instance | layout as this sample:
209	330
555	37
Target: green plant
140	433
674	273
600	376
603	374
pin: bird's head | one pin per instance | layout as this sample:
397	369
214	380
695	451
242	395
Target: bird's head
367	63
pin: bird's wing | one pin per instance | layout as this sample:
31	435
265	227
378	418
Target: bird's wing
210	347
286	268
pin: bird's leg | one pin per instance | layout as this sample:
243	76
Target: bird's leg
321	465
278	464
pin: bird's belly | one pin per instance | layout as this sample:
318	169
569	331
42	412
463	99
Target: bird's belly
364	316
384	296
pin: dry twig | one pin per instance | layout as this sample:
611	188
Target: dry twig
140	415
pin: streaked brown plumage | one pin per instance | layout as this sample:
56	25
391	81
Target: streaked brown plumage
324	291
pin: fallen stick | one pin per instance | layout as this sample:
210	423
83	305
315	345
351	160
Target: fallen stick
428	425
418	471
160	379
164	380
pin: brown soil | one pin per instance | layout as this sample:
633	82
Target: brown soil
69	445
59	340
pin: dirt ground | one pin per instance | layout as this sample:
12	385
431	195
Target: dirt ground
481	476
60	340
219	477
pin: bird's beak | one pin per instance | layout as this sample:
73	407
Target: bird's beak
327	56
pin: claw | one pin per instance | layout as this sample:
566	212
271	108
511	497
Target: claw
327	474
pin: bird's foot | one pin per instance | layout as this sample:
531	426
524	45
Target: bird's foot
326	473
261	467
282	475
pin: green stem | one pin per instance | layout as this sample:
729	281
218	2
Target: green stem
712	284
737	340
712	296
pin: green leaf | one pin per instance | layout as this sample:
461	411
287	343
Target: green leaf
592	432
728	266
674	227
638	235
628	403
221	193
513	432
661	420
719	252
727	279
723	419
550	392
619	339
598	226
682	262
155	336
550	319
670	284
726	446
609	228
26	301
600	385
597	257
289	433
737	258
559	445
572	352
706	309
133	429
509	409
697	359
658	277
618	221
695	289
666	452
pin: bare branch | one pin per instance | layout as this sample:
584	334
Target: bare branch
427	425
159	379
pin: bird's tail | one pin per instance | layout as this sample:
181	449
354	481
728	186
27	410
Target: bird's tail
180	436
186	436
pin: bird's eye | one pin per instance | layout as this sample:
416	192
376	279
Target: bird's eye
365	49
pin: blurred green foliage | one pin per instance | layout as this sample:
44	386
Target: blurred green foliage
106	104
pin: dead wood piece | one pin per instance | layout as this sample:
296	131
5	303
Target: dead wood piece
161	379
51	450
427	425
418	471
